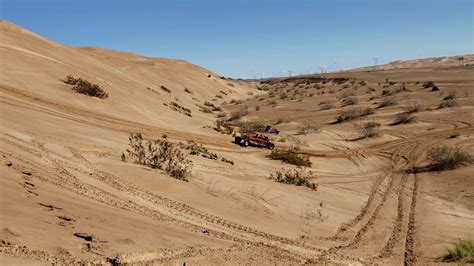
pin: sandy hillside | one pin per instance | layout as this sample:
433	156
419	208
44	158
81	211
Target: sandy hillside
67	197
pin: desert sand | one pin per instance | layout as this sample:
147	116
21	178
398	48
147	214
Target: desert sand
66	197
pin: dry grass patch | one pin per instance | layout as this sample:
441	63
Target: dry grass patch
158	154
290	156
297	177
353	113
403	118
369	130
445	158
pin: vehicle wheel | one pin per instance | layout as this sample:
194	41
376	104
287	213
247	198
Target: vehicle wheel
246	143
271	146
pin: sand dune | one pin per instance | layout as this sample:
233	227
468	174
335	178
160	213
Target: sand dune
67	197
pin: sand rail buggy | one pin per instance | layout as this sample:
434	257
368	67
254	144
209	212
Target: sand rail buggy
254	139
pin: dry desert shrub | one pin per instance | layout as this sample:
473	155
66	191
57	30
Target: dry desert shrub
412	108
164	88
325	106
298	177
237	115
308	128
345	94
388	101
403	118
290	156
349	101
353	113
187	90
159	154
444	157
447	103
198	149
369	130
86	87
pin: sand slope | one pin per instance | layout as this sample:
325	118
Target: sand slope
67	197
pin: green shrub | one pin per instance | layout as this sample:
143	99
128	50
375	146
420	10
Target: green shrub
298	177
159	154
290	156
444	157
85	87
462	252
354	112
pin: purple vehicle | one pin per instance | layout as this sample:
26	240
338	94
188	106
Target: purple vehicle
272	130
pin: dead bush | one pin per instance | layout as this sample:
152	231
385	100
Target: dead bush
290	156
412	108
165	89
345	94
428	84
187	90
237	115
198	149
325	106
369	130
447	103
308	128
403	118
249	126
223	127
86	87
349	101
388	101
353	112
298	177
444	157
159	154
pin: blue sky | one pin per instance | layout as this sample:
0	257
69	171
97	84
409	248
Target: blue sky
247	38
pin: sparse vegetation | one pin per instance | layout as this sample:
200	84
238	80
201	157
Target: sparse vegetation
308	128
290	156
181	109
403	118
164	88
198	149
237	115
225	160
349	101
188	90
223	127
388	101
447	103
353	113
249	126
86	87
462	252
369	130
298	177
158	154
325	106
428	84
445	158
412	108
